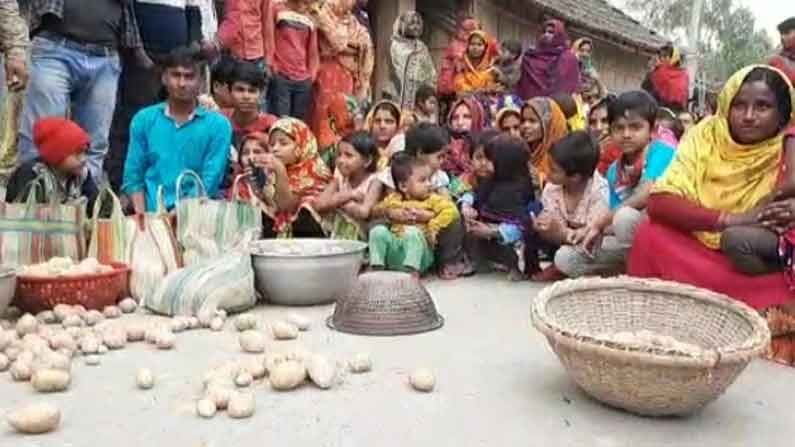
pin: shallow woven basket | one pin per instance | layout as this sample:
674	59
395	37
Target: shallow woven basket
576	315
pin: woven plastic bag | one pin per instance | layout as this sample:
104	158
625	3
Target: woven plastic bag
32	233
109	239
208	228
226	282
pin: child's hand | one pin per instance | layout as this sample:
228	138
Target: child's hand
400	216
272	164
591	240
432	239
355	196
422	216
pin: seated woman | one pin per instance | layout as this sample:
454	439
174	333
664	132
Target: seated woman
476	72
297	177
712	223
384	123
354	191
465	120
60	165
543	124
509	120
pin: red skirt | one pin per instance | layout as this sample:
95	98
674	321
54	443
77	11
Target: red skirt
660	251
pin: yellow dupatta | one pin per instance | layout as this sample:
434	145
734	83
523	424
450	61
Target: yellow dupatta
714	171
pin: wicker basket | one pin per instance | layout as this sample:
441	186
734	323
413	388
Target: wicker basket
92	291
576	315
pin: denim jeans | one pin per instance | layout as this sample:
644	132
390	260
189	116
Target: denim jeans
67	82
289	98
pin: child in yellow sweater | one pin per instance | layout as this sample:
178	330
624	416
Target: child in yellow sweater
415	215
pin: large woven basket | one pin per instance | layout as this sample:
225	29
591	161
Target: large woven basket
651	381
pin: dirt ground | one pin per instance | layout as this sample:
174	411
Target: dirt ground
498	385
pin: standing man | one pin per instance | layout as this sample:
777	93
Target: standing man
75	68
179	134
785	60
164	25
14	43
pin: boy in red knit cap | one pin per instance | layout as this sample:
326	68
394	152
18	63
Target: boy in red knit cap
62	145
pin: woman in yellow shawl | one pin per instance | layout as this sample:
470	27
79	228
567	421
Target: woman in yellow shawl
384	122
543	124
476	72
719	211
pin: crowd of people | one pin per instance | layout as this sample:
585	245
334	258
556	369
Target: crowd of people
502	157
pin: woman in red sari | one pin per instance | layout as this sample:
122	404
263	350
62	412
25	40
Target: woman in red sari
550	67
716	215
668	81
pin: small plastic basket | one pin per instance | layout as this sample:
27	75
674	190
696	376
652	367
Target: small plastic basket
91	291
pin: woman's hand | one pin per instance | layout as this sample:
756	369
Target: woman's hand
778	215
750	217
481	230
422	216
272	164
469	213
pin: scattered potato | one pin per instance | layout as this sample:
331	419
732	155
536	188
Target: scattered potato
72	320
35	418
89	345
102	349
217	324
50	380
283	330
92	360
287	375
252	341
21	371
128	305
12	352
93	317
145	380
165	340
135	333
246	322
6	338
299	321
241	405
62	340
244	379
27	324
322	371
205	408
193	323
52	360
361	363
111	312
115	338
423	380
62	311
220	395
273	359
4	362
46	317
255	367
178	324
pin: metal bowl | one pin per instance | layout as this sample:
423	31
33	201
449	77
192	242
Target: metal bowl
305	272
8	285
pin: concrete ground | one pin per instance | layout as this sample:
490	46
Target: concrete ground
498	385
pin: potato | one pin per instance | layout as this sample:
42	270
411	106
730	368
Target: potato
50	380
246	322
92	360
299	321
4	362
27	324
287	375
12	352
52	360
5	325
128	305
244	379
111	312
220	395
75	331
89	345
26	356
62	340
252	341
205	408
255	367
165	340
241	405
283	330
321	371
274	359
361	363
61	311
21	371
93	317
145	380
422	380
193	323
46	317
178	325
35	418
72	320
135	333
102	349
115	338
13	312
6	338
35	343
217	324
205	316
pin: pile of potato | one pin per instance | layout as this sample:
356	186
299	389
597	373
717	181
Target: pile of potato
40	350
64	267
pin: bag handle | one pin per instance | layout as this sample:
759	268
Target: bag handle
33	187
117	210
200	185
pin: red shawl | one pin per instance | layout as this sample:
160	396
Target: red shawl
458	161
549	68
670	83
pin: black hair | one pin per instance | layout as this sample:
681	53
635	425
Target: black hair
567	104
585	41
402	166
482	139
366	146
389	107
779	87
507	113
222	70
576	153
786	26
183	57
426	138
424	93
509	155
247	73
636	101
512	45
603	103
667	50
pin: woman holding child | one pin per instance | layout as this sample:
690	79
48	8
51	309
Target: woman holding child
721	215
